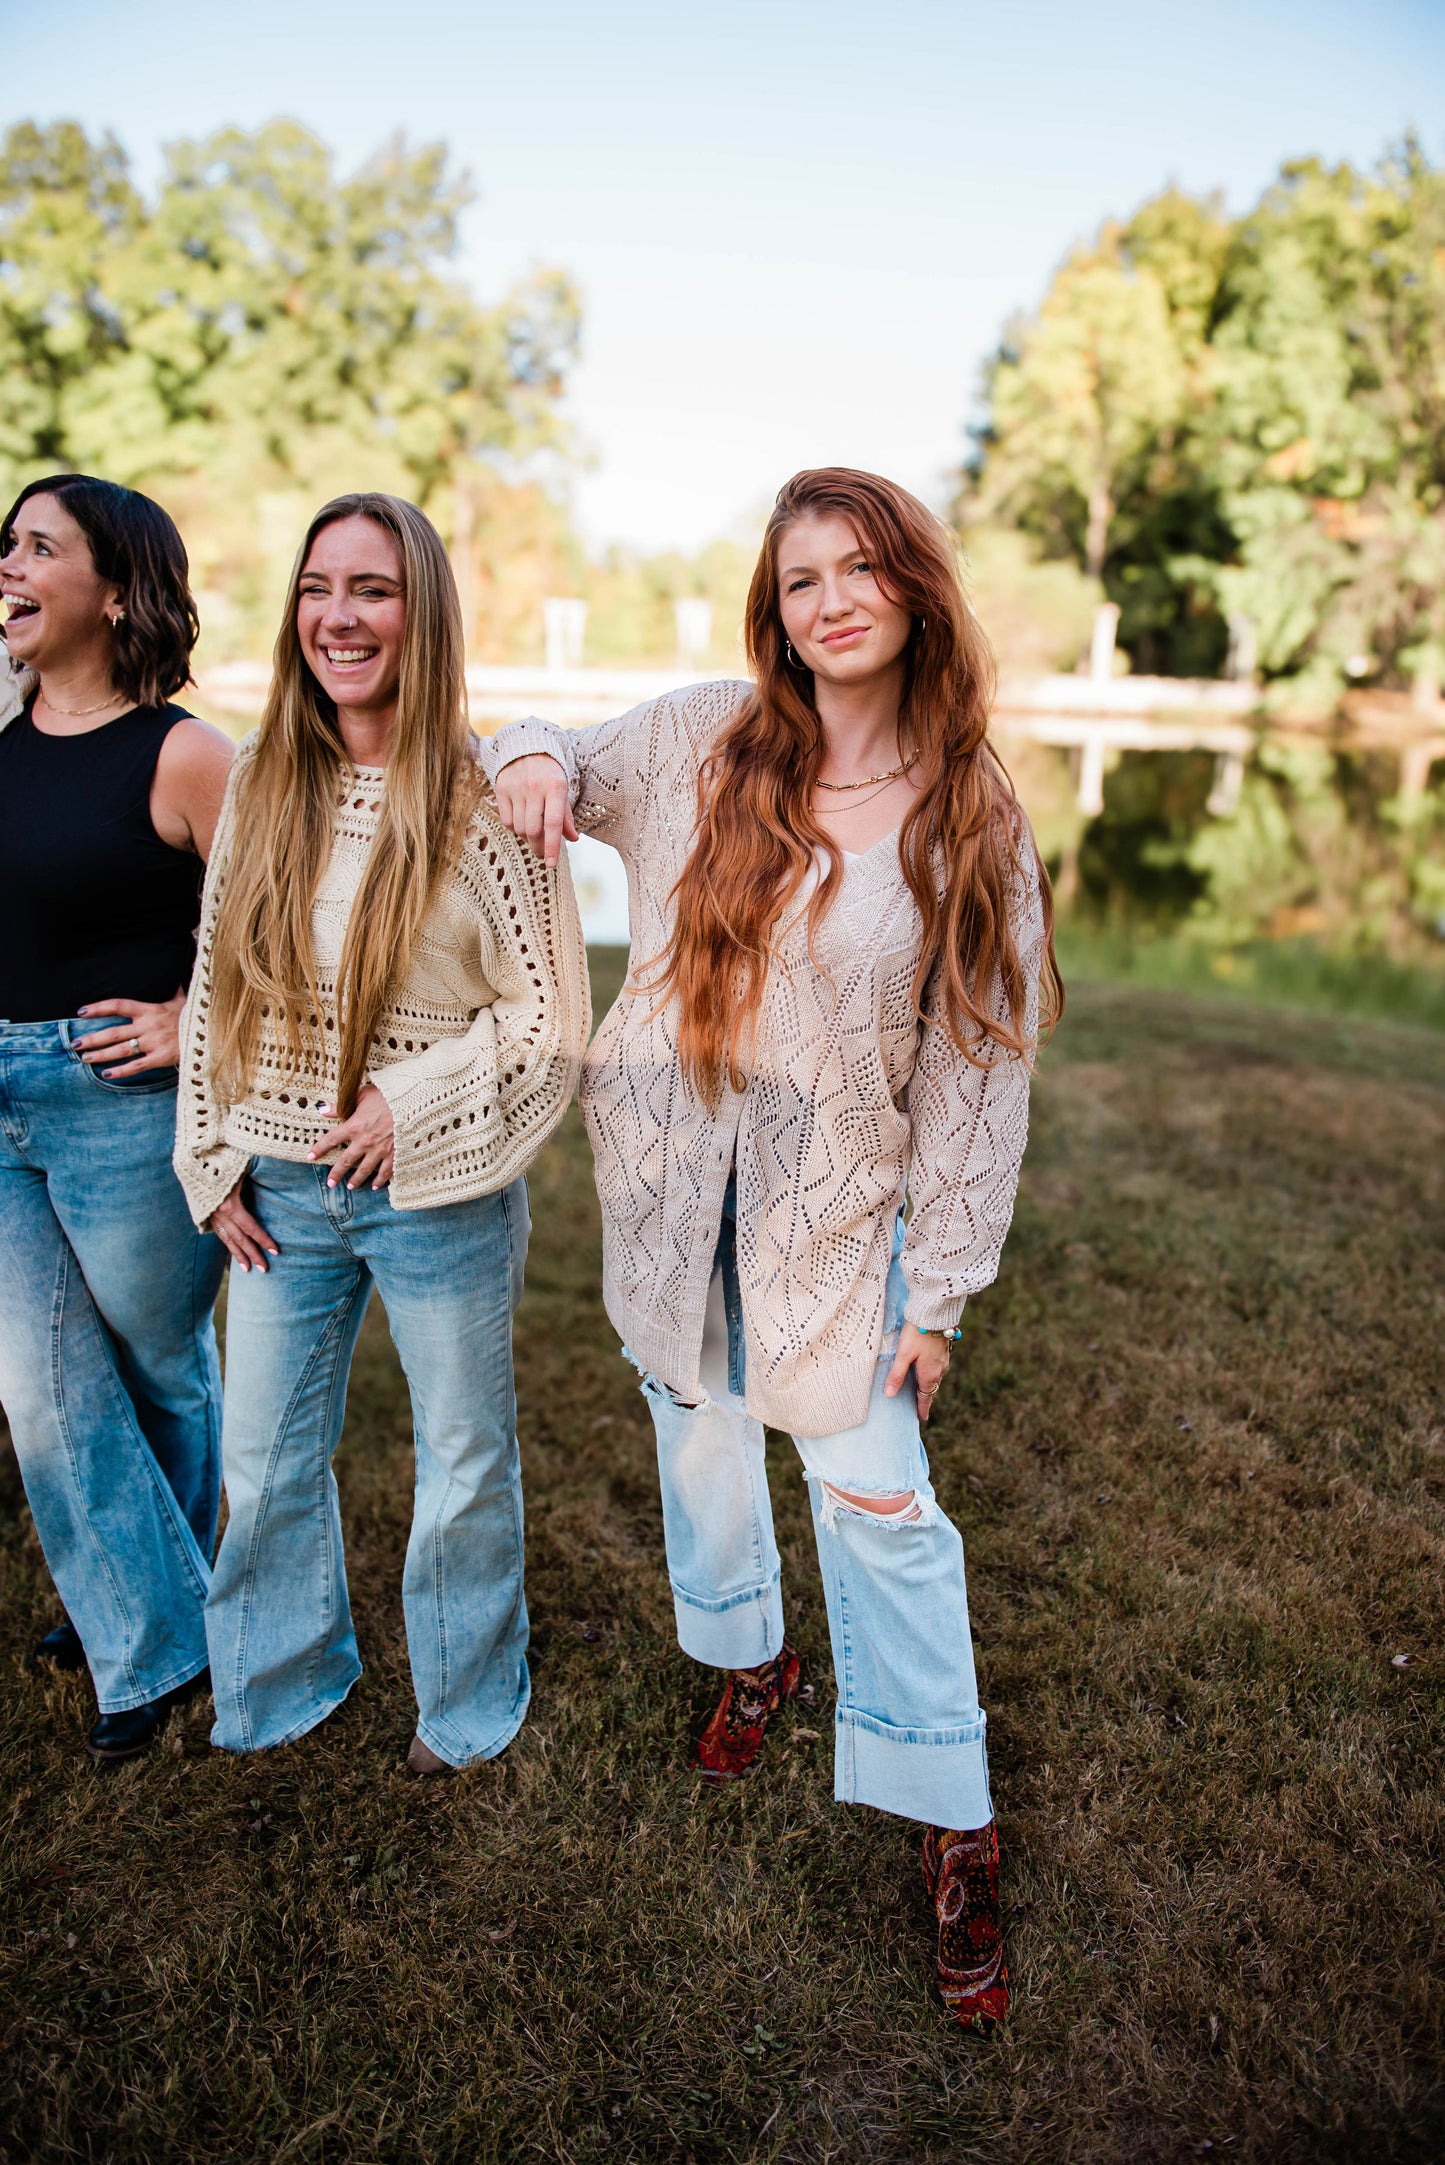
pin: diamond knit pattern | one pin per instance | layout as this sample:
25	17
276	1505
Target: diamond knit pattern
477	1056
851	1100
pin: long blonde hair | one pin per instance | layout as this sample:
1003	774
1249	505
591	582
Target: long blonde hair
756	838
263	964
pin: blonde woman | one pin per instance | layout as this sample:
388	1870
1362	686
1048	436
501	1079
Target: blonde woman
840	928
384	1027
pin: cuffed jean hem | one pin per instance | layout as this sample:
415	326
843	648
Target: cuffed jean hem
939	1776
315	1716
127	1702
443	1741
740	1631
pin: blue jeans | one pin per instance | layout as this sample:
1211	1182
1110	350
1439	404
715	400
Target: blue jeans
283	1650
908	1731
108	1368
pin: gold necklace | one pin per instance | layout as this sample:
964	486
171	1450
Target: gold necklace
873	799
75	714
868	779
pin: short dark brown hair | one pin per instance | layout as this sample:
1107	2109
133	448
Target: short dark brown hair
136	546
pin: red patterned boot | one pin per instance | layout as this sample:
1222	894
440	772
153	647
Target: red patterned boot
960	1872
729	1746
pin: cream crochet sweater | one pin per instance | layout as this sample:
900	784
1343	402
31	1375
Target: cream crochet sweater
851	1102
479	1054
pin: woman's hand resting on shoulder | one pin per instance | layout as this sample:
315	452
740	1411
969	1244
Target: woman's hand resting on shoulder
532	799
364	1143
927	1355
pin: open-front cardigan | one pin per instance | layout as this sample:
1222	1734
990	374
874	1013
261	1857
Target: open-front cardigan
478	1054
850	1102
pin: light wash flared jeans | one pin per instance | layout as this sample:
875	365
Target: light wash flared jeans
283	1650
108	1367
908	1731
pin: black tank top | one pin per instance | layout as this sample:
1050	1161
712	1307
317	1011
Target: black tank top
93	904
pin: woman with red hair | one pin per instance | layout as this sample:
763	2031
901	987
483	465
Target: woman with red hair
808	1109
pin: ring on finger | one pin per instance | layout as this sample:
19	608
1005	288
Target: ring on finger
133	1048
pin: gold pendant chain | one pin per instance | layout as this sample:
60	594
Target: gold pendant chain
868	780
75	714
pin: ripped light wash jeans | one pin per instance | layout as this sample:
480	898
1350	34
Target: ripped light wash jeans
908	1732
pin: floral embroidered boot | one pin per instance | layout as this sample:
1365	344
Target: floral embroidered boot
960	1872
730	1744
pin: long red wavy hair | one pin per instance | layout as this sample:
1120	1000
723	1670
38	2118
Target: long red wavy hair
960	844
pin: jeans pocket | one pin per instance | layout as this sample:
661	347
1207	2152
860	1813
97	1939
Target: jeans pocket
147	1084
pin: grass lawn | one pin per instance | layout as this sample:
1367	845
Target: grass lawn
1194	1441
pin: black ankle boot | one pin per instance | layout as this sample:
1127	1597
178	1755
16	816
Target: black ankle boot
59	1649
126	1736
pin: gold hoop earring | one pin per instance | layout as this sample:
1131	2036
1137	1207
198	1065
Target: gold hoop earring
792	657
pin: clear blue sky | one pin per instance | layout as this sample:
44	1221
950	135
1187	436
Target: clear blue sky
798	225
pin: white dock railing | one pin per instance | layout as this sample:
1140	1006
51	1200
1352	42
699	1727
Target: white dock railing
1096	717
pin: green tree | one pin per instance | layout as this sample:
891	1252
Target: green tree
1079	396
262	333
1245	418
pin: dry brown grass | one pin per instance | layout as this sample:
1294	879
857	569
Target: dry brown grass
1195	1445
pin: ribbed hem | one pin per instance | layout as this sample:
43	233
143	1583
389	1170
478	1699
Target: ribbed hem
739	1632
939	1776
518	740
935	1315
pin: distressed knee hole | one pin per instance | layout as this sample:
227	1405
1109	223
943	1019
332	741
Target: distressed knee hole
900	1509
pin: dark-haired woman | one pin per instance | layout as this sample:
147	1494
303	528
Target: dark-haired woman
840	926
109	794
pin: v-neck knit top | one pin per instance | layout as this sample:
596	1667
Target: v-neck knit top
851	1102
477	1056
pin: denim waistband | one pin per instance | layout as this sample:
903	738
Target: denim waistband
52	1036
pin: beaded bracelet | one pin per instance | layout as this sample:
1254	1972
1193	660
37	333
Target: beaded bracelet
937	1333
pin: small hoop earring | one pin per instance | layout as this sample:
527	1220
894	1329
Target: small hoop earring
118	618
923	623
792	657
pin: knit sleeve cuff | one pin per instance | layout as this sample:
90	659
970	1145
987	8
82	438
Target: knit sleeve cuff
933	1315
517	740
207	1178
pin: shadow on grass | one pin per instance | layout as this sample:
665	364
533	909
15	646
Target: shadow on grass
1193	1439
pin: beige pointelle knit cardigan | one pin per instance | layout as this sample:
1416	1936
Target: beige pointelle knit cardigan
477	1057
851	1102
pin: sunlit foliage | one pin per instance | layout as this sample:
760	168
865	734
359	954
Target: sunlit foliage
1245	418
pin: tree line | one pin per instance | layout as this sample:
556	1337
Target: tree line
1232	427
1243	418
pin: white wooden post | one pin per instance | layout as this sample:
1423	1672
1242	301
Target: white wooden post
693	618
566	628
1091	773
1243	648
1223	797
1101	646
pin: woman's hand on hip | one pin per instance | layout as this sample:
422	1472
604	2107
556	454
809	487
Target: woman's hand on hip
533	801
364	1144
150	1037
243	1236
927	1355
